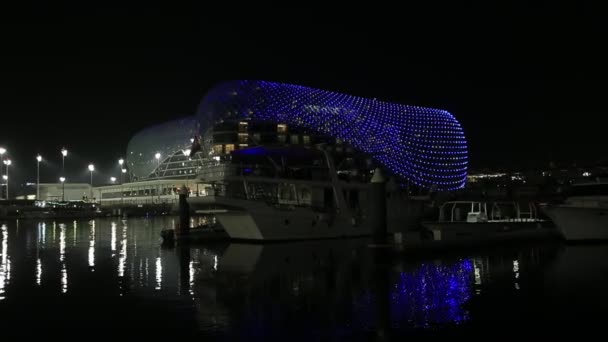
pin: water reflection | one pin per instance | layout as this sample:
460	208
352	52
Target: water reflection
92	244
311	289
433	293
5	263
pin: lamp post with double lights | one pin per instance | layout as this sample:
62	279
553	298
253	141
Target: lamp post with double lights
62	180
5	179
38	160
2	152
122	180
91	169
120	162
8	163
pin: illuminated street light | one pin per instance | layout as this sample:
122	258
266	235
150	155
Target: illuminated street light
91	168
62	180
8	163
38	159
157	156
112	179
5	177
121	161
64	153
2	152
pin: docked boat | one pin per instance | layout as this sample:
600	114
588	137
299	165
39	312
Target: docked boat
204	233
584	213
479	221
304	197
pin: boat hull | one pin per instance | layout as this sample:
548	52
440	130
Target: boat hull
580	224
259	221
454	232
264	223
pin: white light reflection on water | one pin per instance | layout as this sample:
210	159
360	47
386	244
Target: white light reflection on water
61	242
159	274
5	267
92	244
113	239
64	272
122	256
516	271
75	227
38	272
64	279
191	277
41	233
41	242
477	264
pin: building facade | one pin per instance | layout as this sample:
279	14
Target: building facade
419	146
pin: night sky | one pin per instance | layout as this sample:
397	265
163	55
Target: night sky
527	84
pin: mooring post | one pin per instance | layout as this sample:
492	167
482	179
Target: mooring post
184	212
378	207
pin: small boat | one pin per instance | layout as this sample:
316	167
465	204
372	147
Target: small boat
477	221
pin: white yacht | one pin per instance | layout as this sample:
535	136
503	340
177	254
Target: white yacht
584	213
306	197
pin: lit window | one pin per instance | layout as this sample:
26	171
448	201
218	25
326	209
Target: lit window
229	148
306	139
281	128
241	146
217	149
243	138
282	138
295	139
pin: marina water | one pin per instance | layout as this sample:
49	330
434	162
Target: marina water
110	275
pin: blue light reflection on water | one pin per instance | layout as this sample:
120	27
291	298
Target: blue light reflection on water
431	295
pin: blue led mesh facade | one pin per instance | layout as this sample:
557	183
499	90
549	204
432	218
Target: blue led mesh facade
423	145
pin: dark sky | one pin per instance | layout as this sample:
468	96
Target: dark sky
527	83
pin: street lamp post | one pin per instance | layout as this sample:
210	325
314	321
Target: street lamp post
186	153
112	180
62	180
2	152
122	172
157	156
91	168
5	178
7	163
38	160
120	162
64	153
